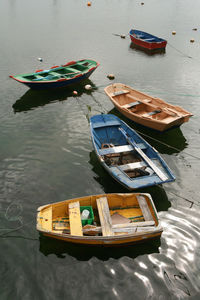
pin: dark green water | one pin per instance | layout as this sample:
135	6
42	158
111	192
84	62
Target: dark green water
47	156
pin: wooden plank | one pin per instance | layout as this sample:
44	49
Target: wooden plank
160	174
151	113
130	227
133	166
120	149
75	219
134	224
129	230
122	92
47	218
144	208
104	215
131	105
117	149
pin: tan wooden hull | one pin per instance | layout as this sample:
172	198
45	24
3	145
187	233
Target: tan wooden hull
148	111
46	216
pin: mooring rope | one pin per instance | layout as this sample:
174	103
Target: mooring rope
167	145
184	54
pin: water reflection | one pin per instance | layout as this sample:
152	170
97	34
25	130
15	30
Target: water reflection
84	253
33	99
168	142
146	51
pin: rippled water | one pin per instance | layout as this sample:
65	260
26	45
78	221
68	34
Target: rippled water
47	156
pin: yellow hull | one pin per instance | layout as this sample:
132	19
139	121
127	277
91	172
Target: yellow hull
124	240
62	221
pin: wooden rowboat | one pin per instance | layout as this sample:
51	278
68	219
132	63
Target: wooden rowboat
58	76
125	155
115	219
146	110
146	40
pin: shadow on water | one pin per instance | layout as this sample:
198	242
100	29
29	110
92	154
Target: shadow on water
168	142
146	51
109	185
33	99
83	253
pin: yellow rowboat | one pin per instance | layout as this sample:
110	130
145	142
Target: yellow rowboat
113	219
146	110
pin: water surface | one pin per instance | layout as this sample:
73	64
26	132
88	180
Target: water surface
47	156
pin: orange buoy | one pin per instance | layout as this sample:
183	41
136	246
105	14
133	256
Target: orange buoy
89	3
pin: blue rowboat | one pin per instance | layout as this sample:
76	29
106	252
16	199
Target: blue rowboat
125	155
58	76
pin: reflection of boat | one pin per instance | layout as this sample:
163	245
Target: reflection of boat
114	219
32	99
85	252
147	51
146	40
125	155
58	76
146	110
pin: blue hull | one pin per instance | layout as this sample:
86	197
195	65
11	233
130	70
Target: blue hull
115	144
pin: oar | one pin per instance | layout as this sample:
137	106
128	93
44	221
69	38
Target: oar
144	156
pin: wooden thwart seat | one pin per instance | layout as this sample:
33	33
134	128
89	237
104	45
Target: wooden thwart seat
120	149
144	208
104	216
133	166
117	93
131	105
117	149
151	113
75	219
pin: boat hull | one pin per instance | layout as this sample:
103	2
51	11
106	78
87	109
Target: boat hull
45	220
120	170
159	44
158	126
114	241
59	76
168	116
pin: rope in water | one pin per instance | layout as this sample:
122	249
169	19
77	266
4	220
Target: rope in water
167	145
184	54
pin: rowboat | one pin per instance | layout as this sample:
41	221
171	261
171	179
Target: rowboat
146	110
65	75
146	40
112	219
125	155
